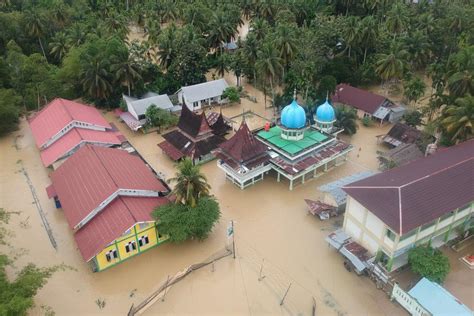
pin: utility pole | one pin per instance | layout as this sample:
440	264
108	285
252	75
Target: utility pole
233	238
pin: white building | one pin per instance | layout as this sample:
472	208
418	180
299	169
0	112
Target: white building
197	96
428	201
137	107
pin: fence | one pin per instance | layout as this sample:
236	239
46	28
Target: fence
408	302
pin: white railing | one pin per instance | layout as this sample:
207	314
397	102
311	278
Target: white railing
242	177
408	302
67	128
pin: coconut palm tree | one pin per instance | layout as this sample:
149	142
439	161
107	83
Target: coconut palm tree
167	46
397	19
96	79
76	35
367	33
220	30
59	46
260	28
35	27
190	183
460	81
391	65
346	118
250	52
457	120
351	33
286	43
126	73
419	48
269	64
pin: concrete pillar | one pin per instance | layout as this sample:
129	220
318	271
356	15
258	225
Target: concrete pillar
326	167
302	180
291	184
278	176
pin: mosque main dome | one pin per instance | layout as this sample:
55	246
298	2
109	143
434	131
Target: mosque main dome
293	116
325	113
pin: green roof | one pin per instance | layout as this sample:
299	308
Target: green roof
311	138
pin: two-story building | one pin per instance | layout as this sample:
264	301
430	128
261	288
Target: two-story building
428	201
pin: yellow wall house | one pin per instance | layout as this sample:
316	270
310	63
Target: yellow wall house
107	196
139	238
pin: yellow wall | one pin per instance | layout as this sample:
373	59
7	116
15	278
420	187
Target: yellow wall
134	234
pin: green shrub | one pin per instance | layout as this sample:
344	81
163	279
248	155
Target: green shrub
367	121
429	263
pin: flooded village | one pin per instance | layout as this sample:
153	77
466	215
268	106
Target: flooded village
278	243
332	195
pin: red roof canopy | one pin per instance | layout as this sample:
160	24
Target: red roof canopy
58	114
415	194
361	99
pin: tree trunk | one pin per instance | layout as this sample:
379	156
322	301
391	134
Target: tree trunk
349	51
264	96
273	92
365	54
42	49
128	86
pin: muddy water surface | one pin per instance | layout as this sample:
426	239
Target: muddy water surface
271	223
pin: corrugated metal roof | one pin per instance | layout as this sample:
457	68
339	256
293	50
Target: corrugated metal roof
205	90
113	221
58	114
437	300
93	174
74	138
141	105
409	196
361	99
335	188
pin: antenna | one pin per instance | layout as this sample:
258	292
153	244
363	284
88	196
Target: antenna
327	95
294	94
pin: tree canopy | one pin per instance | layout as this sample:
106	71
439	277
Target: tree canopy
429	263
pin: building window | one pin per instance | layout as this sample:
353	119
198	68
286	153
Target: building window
131	246
409	234
141	117
143	225
111	254
390	234
143	241
195	104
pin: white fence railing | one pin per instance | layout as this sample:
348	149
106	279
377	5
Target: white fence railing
408	302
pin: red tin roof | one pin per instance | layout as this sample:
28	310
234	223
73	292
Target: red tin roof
113	221
243	146
361	99
74	138
417	193
59	113
93	173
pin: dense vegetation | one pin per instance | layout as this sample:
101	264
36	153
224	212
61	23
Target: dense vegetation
16	296
429	263
195	212
80	48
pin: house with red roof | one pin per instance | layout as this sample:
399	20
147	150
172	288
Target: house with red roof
427	201
107	196
367	104
243	158
63	126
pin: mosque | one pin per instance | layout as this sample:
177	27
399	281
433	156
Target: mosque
293	148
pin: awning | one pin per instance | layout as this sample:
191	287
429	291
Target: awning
131	122
51	191
170	150
318	207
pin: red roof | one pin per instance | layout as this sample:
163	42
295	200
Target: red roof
94	173
417	193
361	99
113	221
74	138
170	150
243	146
58	114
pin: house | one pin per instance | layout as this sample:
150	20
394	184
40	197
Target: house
429	298
401	134
197	96
426	201
243	158
107	196
367	104
136	108
399	156
63	126
194	137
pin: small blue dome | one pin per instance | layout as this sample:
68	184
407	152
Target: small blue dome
293	116
325	112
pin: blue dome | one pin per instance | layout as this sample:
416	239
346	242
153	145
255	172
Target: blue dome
293	116
325	112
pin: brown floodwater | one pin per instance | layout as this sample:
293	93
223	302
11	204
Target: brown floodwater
271	223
